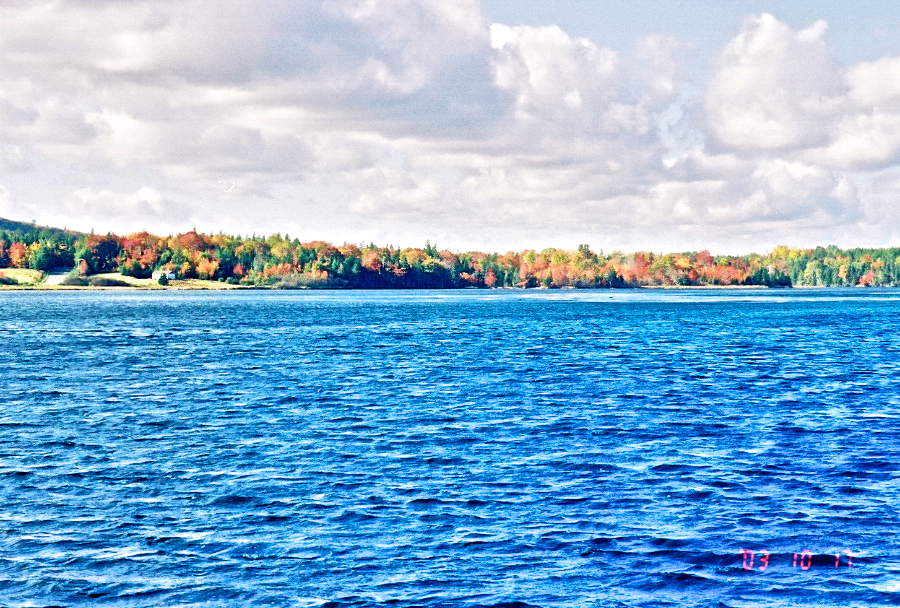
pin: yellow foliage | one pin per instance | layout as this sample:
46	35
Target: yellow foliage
349	250
683	262
413	256
206	269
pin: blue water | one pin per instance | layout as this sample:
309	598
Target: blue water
450	448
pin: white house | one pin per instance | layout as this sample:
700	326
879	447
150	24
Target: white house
159	273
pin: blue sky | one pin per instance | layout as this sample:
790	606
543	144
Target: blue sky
858	31
476	124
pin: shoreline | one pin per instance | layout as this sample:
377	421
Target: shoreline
200	285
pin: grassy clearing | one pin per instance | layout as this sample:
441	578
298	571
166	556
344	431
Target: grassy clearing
131	281
24	276
30	278
97	280
200	284
173	284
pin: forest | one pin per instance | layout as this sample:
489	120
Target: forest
278	261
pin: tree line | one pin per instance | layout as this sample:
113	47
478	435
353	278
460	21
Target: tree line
280	261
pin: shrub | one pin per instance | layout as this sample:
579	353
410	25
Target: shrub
73	280
163	280
306	281
107	282
4	280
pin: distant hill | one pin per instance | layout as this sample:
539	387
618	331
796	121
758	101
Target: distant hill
26	227
6	224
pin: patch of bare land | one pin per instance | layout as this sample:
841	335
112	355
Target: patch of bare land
34	280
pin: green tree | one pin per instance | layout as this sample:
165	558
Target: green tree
42	258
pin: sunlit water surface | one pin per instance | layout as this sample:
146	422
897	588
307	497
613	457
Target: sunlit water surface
604	448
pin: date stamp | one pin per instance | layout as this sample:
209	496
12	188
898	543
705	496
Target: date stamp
761	559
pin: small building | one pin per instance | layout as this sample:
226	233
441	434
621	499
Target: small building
157	274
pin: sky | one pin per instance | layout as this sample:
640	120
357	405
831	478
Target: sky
489	125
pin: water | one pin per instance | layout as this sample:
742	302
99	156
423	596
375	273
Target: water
450	448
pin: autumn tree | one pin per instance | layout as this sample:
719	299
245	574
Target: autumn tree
18	255
101	253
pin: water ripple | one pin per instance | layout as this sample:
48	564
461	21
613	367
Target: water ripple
476	449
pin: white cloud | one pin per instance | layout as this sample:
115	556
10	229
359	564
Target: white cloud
863	140
412	119
550	73
11	207
778	90
875	84
6	200
774	88
115	205
12	160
